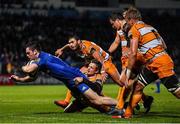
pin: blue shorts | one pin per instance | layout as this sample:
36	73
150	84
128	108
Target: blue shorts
82	87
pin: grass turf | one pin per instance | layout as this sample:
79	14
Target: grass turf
34	104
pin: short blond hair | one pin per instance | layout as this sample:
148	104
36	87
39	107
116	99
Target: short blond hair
133	13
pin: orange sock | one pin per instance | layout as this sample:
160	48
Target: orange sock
120	97
68	96
133	102
119	93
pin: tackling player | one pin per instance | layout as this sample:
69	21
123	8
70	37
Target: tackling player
93	74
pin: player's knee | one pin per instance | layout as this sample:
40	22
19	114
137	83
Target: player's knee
138	87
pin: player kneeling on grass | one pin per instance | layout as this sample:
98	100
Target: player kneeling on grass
58	69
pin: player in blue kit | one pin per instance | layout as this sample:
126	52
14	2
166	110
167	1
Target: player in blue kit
55	67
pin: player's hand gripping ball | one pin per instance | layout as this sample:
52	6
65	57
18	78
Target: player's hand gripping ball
34	73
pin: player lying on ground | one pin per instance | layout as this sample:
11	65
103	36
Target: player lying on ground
93	74
58	69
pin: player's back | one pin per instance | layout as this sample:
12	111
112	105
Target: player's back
57	68
150	42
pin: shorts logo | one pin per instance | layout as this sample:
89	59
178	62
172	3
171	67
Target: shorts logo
83	88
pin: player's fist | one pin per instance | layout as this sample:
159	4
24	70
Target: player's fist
78	80
59	52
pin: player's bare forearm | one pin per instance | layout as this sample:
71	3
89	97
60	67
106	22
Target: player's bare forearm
114	45
133	53
22	79
65	47
132	59
131	62
59	51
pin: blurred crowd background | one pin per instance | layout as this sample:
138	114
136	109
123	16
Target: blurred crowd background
25	20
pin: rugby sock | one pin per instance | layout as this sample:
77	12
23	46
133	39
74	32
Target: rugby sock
119	92
121	98
133	102
158	87
68	96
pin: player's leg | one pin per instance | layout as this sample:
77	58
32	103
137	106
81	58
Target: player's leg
75	106
134	100
164	67
123	96
125	91
172	84
145	78
157	87
147	102
94	98
68	97
111	69
64	103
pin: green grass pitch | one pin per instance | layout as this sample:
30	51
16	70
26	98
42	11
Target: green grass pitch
34	104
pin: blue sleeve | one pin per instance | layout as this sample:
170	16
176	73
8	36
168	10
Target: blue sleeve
39	62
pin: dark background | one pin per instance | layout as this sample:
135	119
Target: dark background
52	21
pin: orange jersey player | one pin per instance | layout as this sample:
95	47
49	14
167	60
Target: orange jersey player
86	48
146	39
119	23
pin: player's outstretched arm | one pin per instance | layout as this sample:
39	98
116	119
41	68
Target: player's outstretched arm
22	79
59	51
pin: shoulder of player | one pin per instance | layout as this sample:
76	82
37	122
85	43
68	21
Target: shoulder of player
95	77
138	25
135	28
88	45
44	56
98	76
86	42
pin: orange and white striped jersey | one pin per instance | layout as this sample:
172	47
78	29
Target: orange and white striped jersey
88	47
150	42
126	51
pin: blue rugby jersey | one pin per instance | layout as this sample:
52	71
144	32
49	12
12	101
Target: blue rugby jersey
58	69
